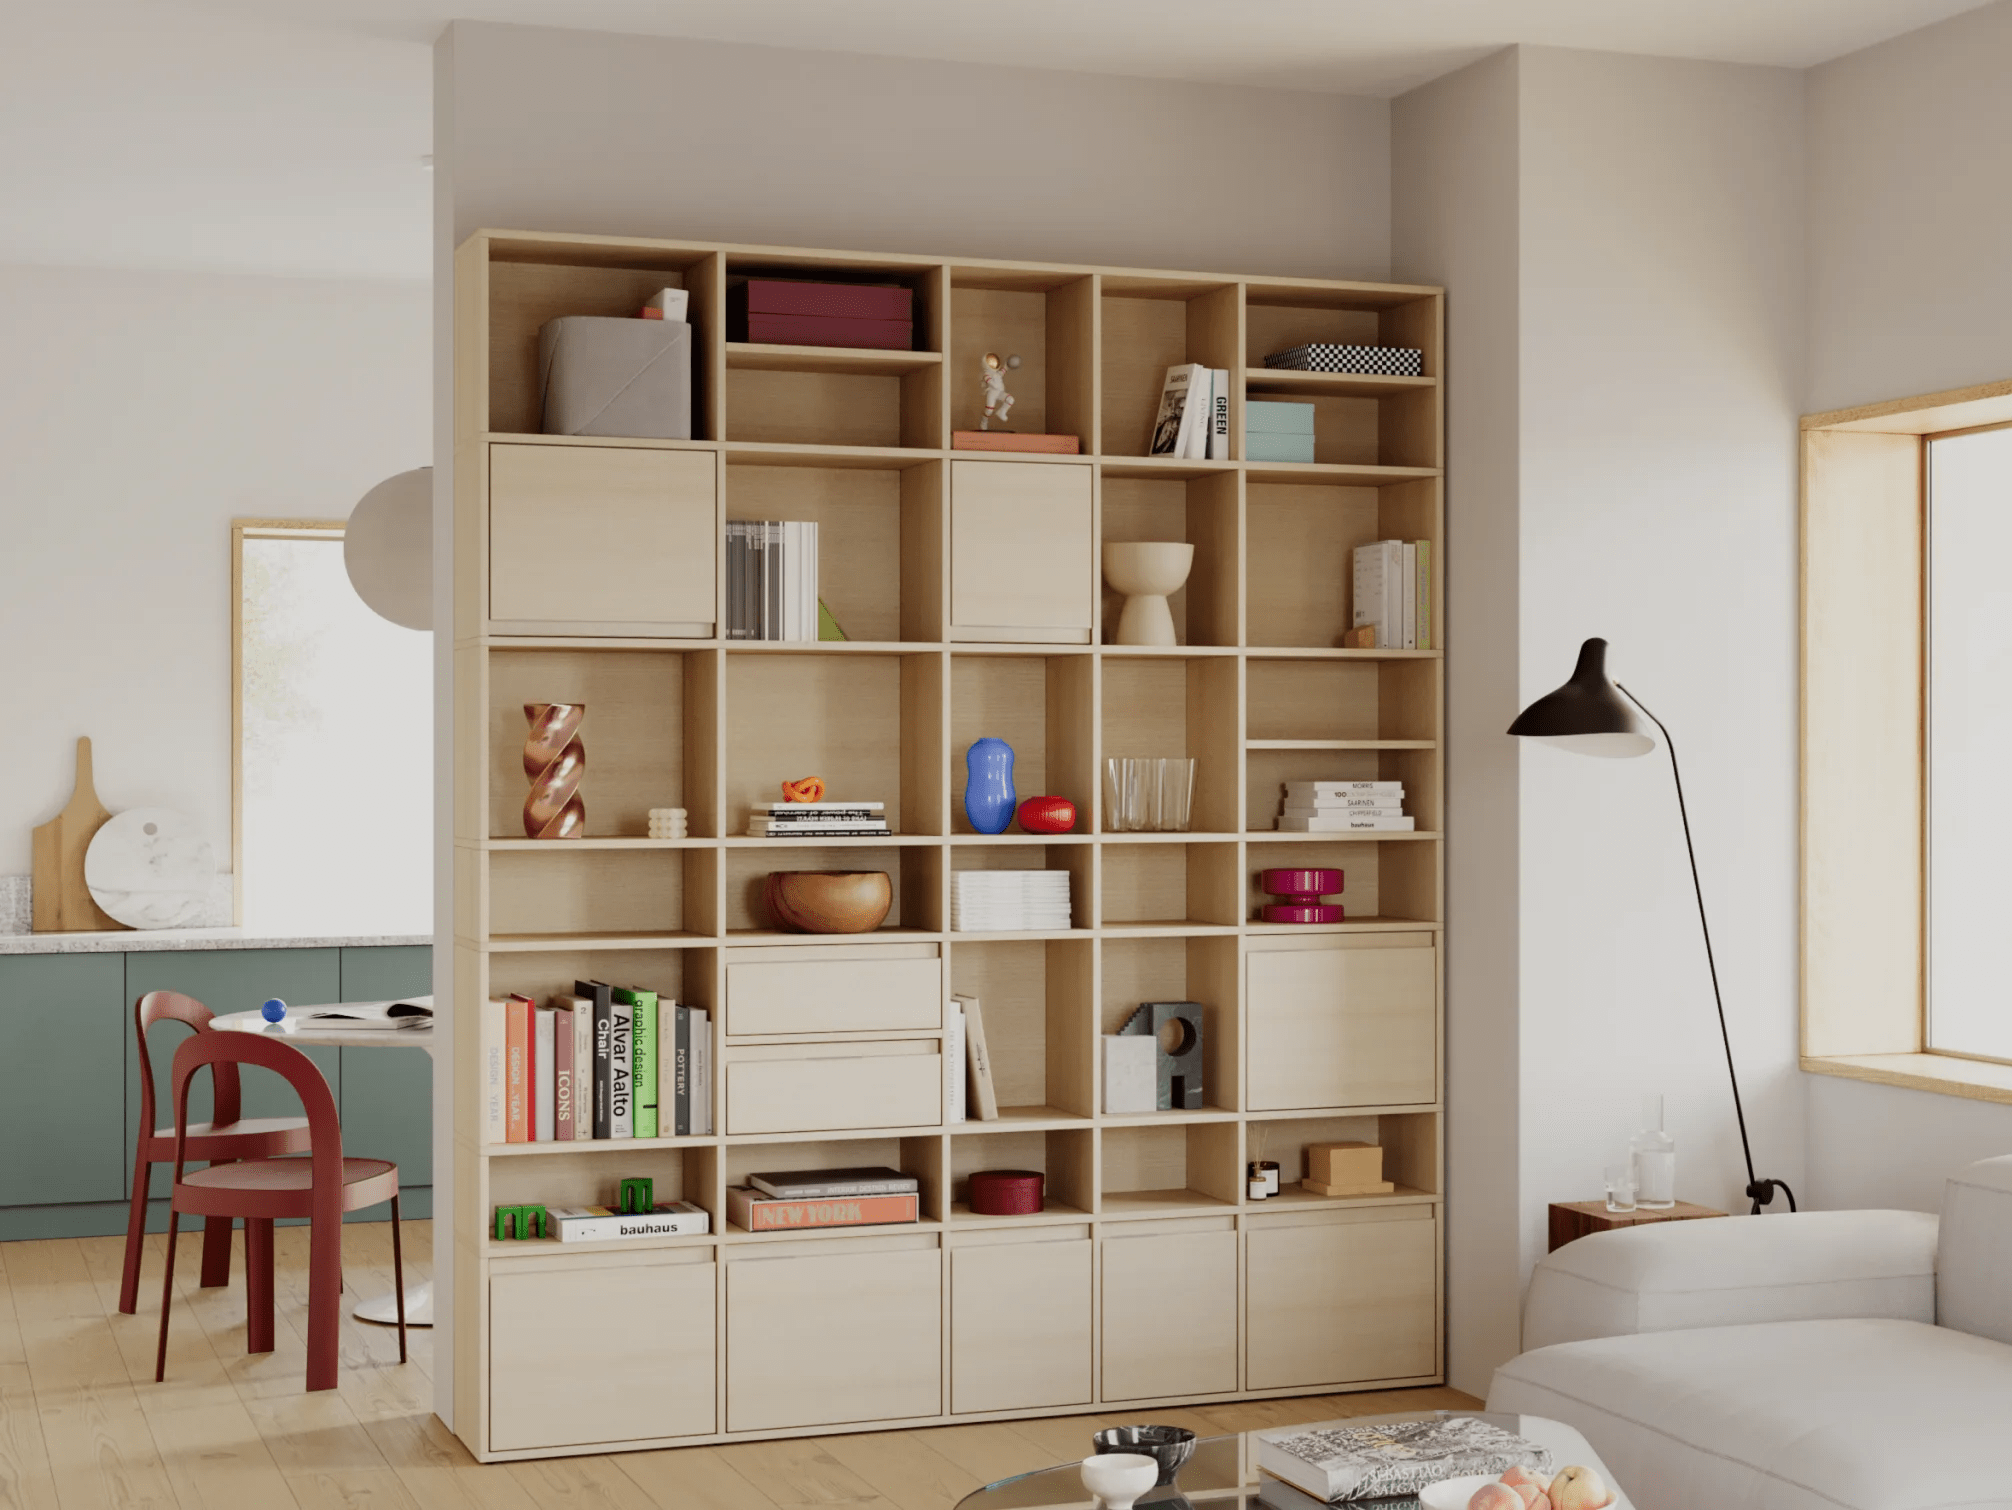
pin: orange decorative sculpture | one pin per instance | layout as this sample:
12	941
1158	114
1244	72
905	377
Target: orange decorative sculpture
804	789
555	760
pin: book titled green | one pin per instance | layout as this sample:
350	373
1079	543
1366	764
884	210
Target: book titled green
644	1053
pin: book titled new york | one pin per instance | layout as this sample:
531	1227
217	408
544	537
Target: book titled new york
588	1224
642	1007
824	1184
1342	1461
752	1211
600	994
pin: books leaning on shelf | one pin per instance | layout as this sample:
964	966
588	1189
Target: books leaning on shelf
750	1210
1009	901
829	1184
1338	807
818	820
983	1100
602	1062
590	1224
1194	418
1337	1461
772	567
1393	593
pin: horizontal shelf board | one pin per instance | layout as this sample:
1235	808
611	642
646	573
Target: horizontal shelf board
1300	1200
757	356
1354	836
776	453
1341	744
1326	293
1334	474
830	1135
543	1247
558	639
830	647
1127	1205
1182	652
881	935
1053	1213
1328	1113
735	1234
1350	925
1023	839
1021	1119
1331	384
1150	930
1163	468
1109	1120
1016	647
601	442
1168	836
593	1145
1323	653
613	841
533	943
843	841
959	936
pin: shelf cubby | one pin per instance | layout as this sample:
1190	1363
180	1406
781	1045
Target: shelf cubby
563	1174
880	534
1148	325
919	1156
1038	1001
1066	1157
1202	969
1155	885
1291	699
1389	877
1267	770
680	972
648	733
1410	1153
1041	705
1169	707
560	892
1078	859
1200	510
1357	420
915	871
869	724
1046	319
1168	1168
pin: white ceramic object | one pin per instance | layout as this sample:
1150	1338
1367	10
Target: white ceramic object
150	868
1453	1494
387	549
1147	572
1117	1479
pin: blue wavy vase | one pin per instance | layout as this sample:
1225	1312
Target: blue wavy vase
988	785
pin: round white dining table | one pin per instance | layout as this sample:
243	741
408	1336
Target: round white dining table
305	1026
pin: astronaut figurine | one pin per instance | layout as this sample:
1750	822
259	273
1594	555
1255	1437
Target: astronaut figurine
998	402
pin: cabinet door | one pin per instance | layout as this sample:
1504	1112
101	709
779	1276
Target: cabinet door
834	1087
1021	553
387	1093
1343	1026
834	1337
225	980
623	1353
64	1032
1170	1314
1020	1325
1343	1302
619	541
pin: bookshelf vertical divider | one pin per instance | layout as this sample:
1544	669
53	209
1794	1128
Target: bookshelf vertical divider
970	586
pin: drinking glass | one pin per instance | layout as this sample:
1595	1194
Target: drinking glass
1621	1187
1173	796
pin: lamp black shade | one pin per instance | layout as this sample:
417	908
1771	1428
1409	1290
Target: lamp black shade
1588	715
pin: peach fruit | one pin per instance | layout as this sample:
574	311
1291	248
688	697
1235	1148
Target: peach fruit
1579	1488
1496	1497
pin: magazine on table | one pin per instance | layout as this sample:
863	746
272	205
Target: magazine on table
1353	1461
383	1016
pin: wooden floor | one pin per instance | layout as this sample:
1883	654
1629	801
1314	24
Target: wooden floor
83	1425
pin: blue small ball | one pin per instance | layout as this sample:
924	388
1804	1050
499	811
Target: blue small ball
273	1010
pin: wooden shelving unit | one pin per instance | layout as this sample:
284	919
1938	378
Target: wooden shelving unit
590	570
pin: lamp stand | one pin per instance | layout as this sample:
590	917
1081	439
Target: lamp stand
1760	1192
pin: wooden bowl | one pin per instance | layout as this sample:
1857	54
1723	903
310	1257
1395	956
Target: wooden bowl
829	901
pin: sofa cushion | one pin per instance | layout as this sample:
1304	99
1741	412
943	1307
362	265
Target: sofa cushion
1790	1415
1974	1268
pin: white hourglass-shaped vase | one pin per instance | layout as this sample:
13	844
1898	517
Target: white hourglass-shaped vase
1147	572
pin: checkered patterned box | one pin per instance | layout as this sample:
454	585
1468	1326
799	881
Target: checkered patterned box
1369	361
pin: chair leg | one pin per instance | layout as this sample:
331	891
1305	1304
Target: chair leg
258	1284
217	1251
167	1295
398	1277
324	1297
136	1238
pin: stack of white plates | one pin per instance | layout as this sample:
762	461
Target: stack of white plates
1009	901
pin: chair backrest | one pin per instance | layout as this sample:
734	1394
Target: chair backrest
225	1051
1973	1265
172	1006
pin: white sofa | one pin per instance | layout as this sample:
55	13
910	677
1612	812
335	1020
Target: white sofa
1833	1360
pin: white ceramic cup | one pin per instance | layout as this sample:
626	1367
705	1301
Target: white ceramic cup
1117	1479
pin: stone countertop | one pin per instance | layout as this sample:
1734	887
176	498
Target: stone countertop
151	940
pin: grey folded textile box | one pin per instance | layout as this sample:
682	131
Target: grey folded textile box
607	376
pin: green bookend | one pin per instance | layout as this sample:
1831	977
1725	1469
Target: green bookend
827	626
639	1197
516	1223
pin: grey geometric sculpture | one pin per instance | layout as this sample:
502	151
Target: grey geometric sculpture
1180	1069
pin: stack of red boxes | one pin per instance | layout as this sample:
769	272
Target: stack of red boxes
791	312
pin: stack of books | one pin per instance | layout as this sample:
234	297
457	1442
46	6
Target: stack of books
805	1198
1337	807
1275	431
1194	417
772	579
604	1062
818	820
1393	594
1009	901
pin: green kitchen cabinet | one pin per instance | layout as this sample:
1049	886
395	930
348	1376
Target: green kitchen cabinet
63	1037
387	1093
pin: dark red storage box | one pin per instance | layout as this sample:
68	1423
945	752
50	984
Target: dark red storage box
1006	1192
795	312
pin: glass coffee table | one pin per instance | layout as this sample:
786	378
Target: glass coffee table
1222	1474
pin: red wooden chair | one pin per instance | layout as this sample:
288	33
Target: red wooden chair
226	1136
321	1187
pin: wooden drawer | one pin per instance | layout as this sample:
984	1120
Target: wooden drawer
837	1337
1344	1024
1021	554
833	1087
1343	1299
835	990
612	1353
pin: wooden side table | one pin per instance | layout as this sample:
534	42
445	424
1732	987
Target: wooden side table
1574	1219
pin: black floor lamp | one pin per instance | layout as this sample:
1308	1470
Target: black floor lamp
1588	717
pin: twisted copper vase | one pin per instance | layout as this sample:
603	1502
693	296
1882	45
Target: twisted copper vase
555	760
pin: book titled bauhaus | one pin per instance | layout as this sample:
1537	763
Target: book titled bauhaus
586	1224
753	1212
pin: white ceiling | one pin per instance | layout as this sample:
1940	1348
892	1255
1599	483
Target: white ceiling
284	136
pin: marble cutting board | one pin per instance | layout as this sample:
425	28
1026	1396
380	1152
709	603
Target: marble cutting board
151	868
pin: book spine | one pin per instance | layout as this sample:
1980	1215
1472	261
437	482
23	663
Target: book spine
675	1219
984	1097
1168	425
1341	788
734	580
1368	589
953	1054
1410	549
562	1074
1391	631
702	1072
681	1071
648	1047
517	1030
1425	595
495	1071
583	1070
544	1026
760	1214
604	1060
1201	406
1340	825
621	1069
1219	414
834	1190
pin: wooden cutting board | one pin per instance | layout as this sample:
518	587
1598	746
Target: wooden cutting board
62	901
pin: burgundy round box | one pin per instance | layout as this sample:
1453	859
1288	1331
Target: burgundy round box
1301	891
1006	1192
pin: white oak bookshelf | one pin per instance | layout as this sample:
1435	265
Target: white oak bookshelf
1150	1279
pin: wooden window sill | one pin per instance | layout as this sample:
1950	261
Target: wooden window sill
1942	1074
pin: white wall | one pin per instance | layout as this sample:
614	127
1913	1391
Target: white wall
1910	230
139	414
585	131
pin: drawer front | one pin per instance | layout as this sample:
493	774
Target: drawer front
796	1090
1352	1025
1021	552
835	996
